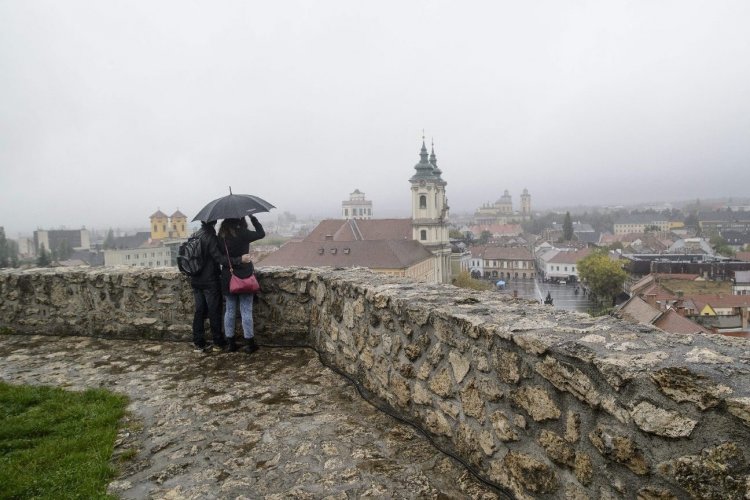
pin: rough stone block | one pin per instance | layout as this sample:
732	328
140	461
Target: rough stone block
573	427
507	366
570	379
583	468
503	428
533	475
740	408
420	394
661	422
719	472
441	384
537	403
620	448
460	365
472	402
558	450
681	384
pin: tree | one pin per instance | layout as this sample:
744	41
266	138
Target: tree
484	237
602	275
692	220
64	250
567	227
455	234
43	260
721	246
109	241
465	280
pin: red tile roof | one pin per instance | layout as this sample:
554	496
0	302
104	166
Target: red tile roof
376	254
354	230
743	256
508	253
720	301
672	322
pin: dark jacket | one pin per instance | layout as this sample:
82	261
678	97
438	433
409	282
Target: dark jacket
238	246
210	275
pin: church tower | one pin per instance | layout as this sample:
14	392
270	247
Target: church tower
429	212
525	203
159	225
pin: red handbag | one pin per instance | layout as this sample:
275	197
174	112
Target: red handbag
239	285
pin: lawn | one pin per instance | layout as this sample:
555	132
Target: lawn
56	443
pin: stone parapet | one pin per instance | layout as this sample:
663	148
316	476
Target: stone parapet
542	402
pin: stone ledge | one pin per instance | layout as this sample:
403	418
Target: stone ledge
490	377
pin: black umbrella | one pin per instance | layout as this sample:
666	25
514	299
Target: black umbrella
233	206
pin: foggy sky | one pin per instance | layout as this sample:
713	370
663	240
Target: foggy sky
110	110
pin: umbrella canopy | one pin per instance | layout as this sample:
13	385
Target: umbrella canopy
500	283
233	206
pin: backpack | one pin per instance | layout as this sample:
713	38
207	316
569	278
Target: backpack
190	256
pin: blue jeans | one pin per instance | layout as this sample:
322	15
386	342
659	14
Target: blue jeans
245	301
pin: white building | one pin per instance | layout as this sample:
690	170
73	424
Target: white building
148	256
357	207
741	284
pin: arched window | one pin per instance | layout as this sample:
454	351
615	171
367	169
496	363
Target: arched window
422	201
423	234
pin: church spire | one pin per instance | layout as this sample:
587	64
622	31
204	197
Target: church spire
433	161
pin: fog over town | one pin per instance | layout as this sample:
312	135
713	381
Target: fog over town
112	110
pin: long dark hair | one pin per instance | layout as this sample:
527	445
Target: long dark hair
230	227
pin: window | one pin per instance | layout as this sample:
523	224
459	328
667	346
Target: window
164	226
158	262
423	234
346	212
422	201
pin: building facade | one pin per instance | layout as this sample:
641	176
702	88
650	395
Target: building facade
501	212
356	207
165	226
150	256
53	239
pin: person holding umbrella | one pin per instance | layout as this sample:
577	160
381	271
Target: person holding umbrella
235	238
234	245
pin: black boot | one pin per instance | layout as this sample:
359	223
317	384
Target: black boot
231	345
250	346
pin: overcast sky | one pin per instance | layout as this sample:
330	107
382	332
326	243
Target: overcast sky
112	109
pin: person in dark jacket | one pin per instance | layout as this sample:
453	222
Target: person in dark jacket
207	288
235	239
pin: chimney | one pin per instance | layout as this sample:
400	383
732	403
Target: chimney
650	299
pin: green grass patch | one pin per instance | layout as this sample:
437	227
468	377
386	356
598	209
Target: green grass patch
56	443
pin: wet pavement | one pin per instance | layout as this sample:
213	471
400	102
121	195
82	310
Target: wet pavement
277	424
563	296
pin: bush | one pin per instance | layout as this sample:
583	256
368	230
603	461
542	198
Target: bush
464	280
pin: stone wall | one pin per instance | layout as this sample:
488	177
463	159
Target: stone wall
542	402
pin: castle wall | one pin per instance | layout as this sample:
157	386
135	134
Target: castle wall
542	402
